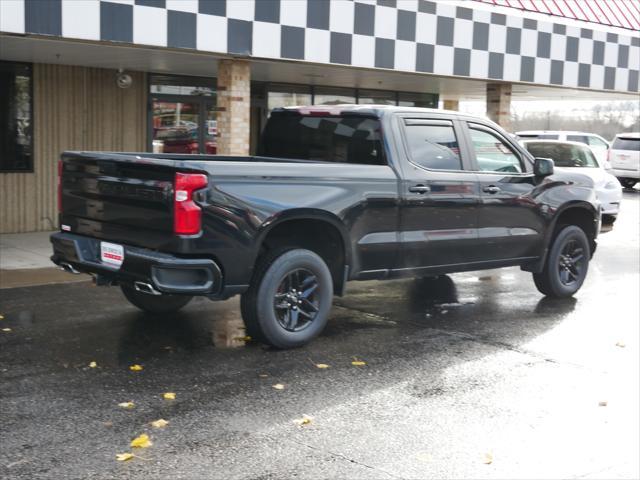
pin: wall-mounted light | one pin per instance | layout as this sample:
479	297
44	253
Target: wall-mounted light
123	80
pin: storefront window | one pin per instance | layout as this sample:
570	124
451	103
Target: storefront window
333	96
376	97
422	100
288	96
183	115
171	85
16	119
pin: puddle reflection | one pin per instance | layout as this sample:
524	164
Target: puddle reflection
227	330
436	295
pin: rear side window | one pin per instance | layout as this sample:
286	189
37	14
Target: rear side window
340	139
492	154
621	143
578	138
433	146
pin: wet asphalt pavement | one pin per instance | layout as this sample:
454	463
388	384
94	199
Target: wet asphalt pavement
470	375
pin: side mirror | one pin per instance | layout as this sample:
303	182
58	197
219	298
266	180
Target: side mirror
543	167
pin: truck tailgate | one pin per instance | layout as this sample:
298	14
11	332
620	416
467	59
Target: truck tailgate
118	200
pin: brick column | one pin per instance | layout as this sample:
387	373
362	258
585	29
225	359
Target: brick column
499	104
233	107
451	105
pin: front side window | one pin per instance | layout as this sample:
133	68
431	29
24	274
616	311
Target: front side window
563	155
342	139
597	143
433	146
16	123
492	154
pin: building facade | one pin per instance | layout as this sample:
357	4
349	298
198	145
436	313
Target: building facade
200	76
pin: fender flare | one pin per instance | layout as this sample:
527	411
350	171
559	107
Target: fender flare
305	214
538	265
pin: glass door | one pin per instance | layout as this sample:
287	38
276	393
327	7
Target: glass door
175	127
182	115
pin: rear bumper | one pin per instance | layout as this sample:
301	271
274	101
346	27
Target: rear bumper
626	172
166	273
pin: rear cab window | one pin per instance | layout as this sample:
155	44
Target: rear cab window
353	139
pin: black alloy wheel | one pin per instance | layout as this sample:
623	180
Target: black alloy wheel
566	264
571	263
289	298
296	302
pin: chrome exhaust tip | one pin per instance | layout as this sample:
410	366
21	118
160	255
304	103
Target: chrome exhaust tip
67	267
146	288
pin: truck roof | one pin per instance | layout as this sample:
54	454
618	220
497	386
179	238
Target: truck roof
373	110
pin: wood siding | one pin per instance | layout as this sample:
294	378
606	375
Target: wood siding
75	108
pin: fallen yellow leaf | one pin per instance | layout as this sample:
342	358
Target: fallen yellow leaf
135	368
1	317
93	365
246	338
127	404
123	457
620	344
161	423
305	420
358	363
141	441
263	375
488	459
278	386
322	365
169	396
6	330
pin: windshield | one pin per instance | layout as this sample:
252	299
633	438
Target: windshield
563	155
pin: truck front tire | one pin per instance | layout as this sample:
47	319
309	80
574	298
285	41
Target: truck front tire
566	265
157	304
289	299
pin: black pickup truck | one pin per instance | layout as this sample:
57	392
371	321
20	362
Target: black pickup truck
336	193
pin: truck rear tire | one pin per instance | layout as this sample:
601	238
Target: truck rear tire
628	182
289	299
566	265
155	303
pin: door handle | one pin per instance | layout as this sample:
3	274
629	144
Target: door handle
491	189
420	189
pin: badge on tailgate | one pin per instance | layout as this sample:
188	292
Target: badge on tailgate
111	254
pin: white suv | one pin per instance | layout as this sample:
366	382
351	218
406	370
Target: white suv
624	156
598	145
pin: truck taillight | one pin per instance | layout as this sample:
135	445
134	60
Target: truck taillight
187	215
60	168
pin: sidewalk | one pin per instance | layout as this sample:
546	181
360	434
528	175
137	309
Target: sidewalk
24	261
25	250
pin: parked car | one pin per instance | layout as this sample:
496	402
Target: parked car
337	193
576	156
598	144
624	157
